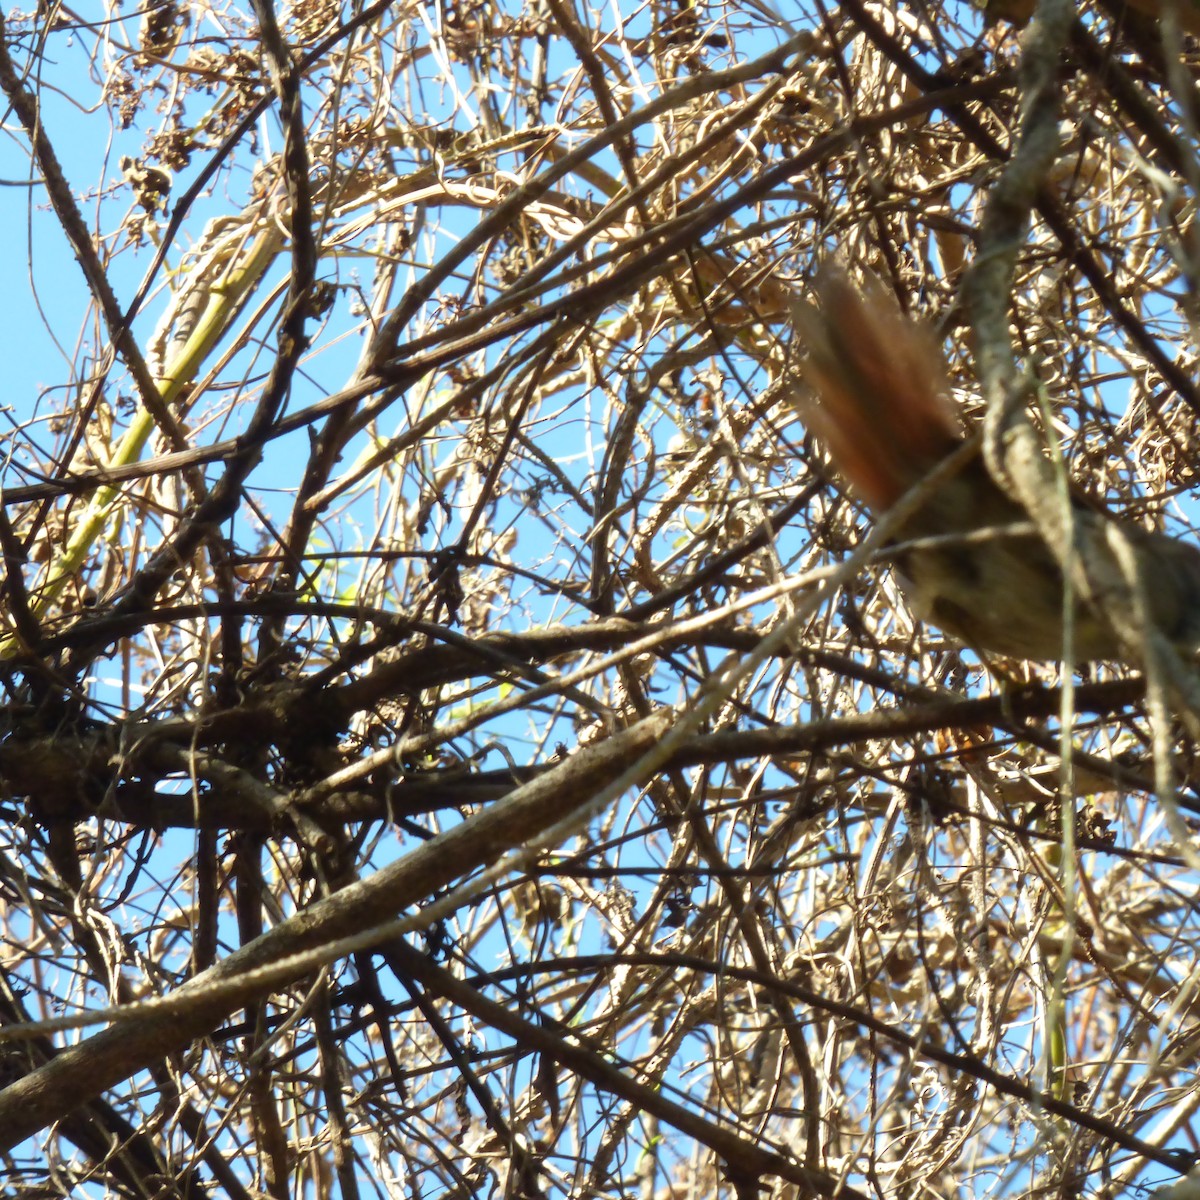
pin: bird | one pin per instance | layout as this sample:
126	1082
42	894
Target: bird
874	392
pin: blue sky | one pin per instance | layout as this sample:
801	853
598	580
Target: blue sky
45	345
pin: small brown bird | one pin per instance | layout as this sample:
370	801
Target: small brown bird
880	404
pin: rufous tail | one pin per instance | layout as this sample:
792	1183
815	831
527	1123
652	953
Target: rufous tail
879	400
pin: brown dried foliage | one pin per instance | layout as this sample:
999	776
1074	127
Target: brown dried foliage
488	468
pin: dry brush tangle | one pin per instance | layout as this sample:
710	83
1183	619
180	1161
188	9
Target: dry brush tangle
458	733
